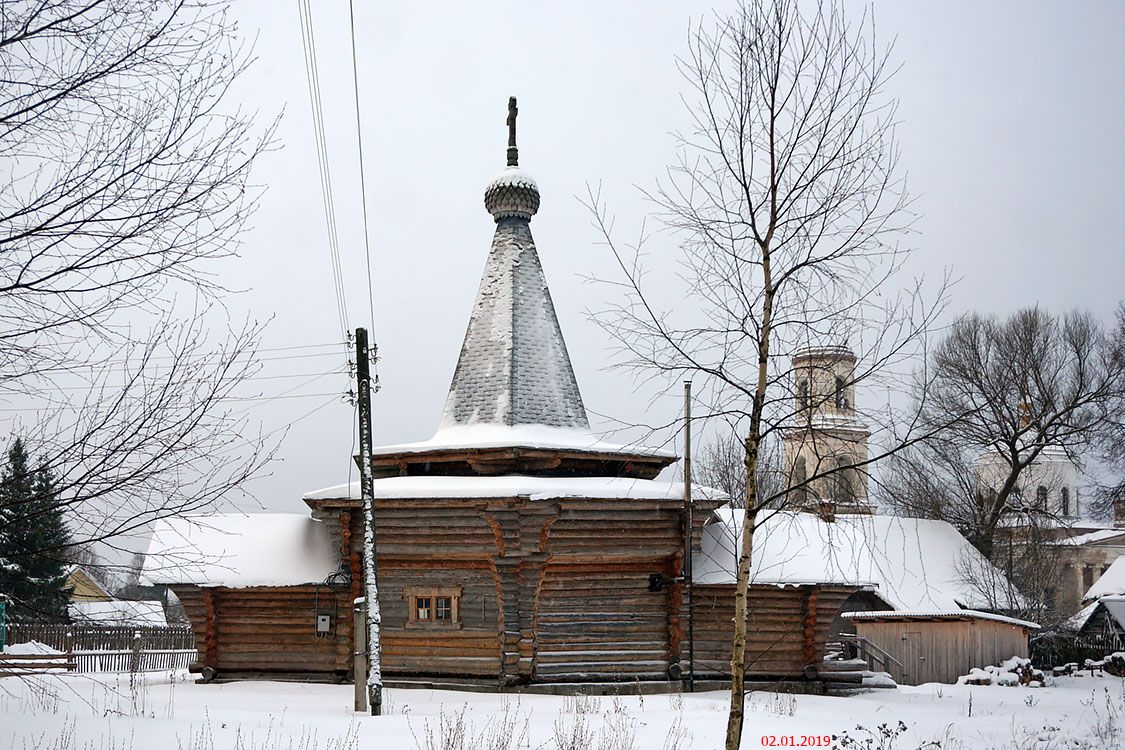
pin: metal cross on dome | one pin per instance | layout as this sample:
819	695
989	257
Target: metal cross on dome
513	152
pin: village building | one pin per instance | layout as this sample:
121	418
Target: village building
92	604
1083	559
84	587
516	549
1100	623
1051	483
1080	548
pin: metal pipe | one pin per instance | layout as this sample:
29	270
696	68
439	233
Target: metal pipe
689	525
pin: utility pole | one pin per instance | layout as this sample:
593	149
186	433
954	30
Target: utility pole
367	491
688	527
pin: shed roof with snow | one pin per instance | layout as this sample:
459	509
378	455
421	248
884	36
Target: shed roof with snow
912	564
935	616
118	612
236	550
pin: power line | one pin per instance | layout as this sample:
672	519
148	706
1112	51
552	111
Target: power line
202	358
278	397
235	379
312	76
303	417
336	394
363	199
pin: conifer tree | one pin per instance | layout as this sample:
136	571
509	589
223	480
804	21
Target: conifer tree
33	540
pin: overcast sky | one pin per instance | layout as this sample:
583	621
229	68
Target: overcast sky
1011	136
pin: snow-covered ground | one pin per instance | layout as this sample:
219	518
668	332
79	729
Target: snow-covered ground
168	710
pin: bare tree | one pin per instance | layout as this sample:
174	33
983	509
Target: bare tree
1109	446
721	464
787	207
124	181
1016	392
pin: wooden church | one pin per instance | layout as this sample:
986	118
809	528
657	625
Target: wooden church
514	547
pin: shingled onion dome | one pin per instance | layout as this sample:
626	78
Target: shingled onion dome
512	194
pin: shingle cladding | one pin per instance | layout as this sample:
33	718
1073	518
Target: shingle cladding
514	367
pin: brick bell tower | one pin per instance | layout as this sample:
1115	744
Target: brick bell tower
826	435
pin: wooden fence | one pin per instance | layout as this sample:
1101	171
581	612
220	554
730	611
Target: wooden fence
1053	649
14	665
105	648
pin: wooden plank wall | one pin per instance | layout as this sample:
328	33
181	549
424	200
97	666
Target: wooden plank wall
943	650
788	628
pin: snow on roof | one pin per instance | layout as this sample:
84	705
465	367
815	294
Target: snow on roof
237	550
1115	606
468	437
535	488
928	615
1093	537
512	176
827	421
1077	621
913	564
118	612
1110	583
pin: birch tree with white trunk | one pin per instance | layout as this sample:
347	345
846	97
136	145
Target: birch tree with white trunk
786	209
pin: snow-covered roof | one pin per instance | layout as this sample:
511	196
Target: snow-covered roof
118	612
469	437
927	615
1093	537
826	421
535	488
1077	621
1110	583
912	564
1115	607
512	177
237	550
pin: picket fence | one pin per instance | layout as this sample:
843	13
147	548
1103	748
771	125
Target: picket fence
112	648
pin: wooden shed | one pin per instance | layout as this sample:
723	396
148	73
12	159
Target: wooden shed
942	646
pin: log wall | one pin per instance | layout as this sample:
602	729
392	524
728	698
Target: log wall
788	627
270	630
549	591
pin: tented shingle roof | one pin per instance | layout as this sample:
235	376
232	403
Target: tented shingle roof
514	368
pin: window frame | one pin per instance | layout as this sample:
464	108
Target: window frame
412	595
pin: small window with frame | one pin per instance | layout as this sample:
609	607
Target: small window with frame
437	607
